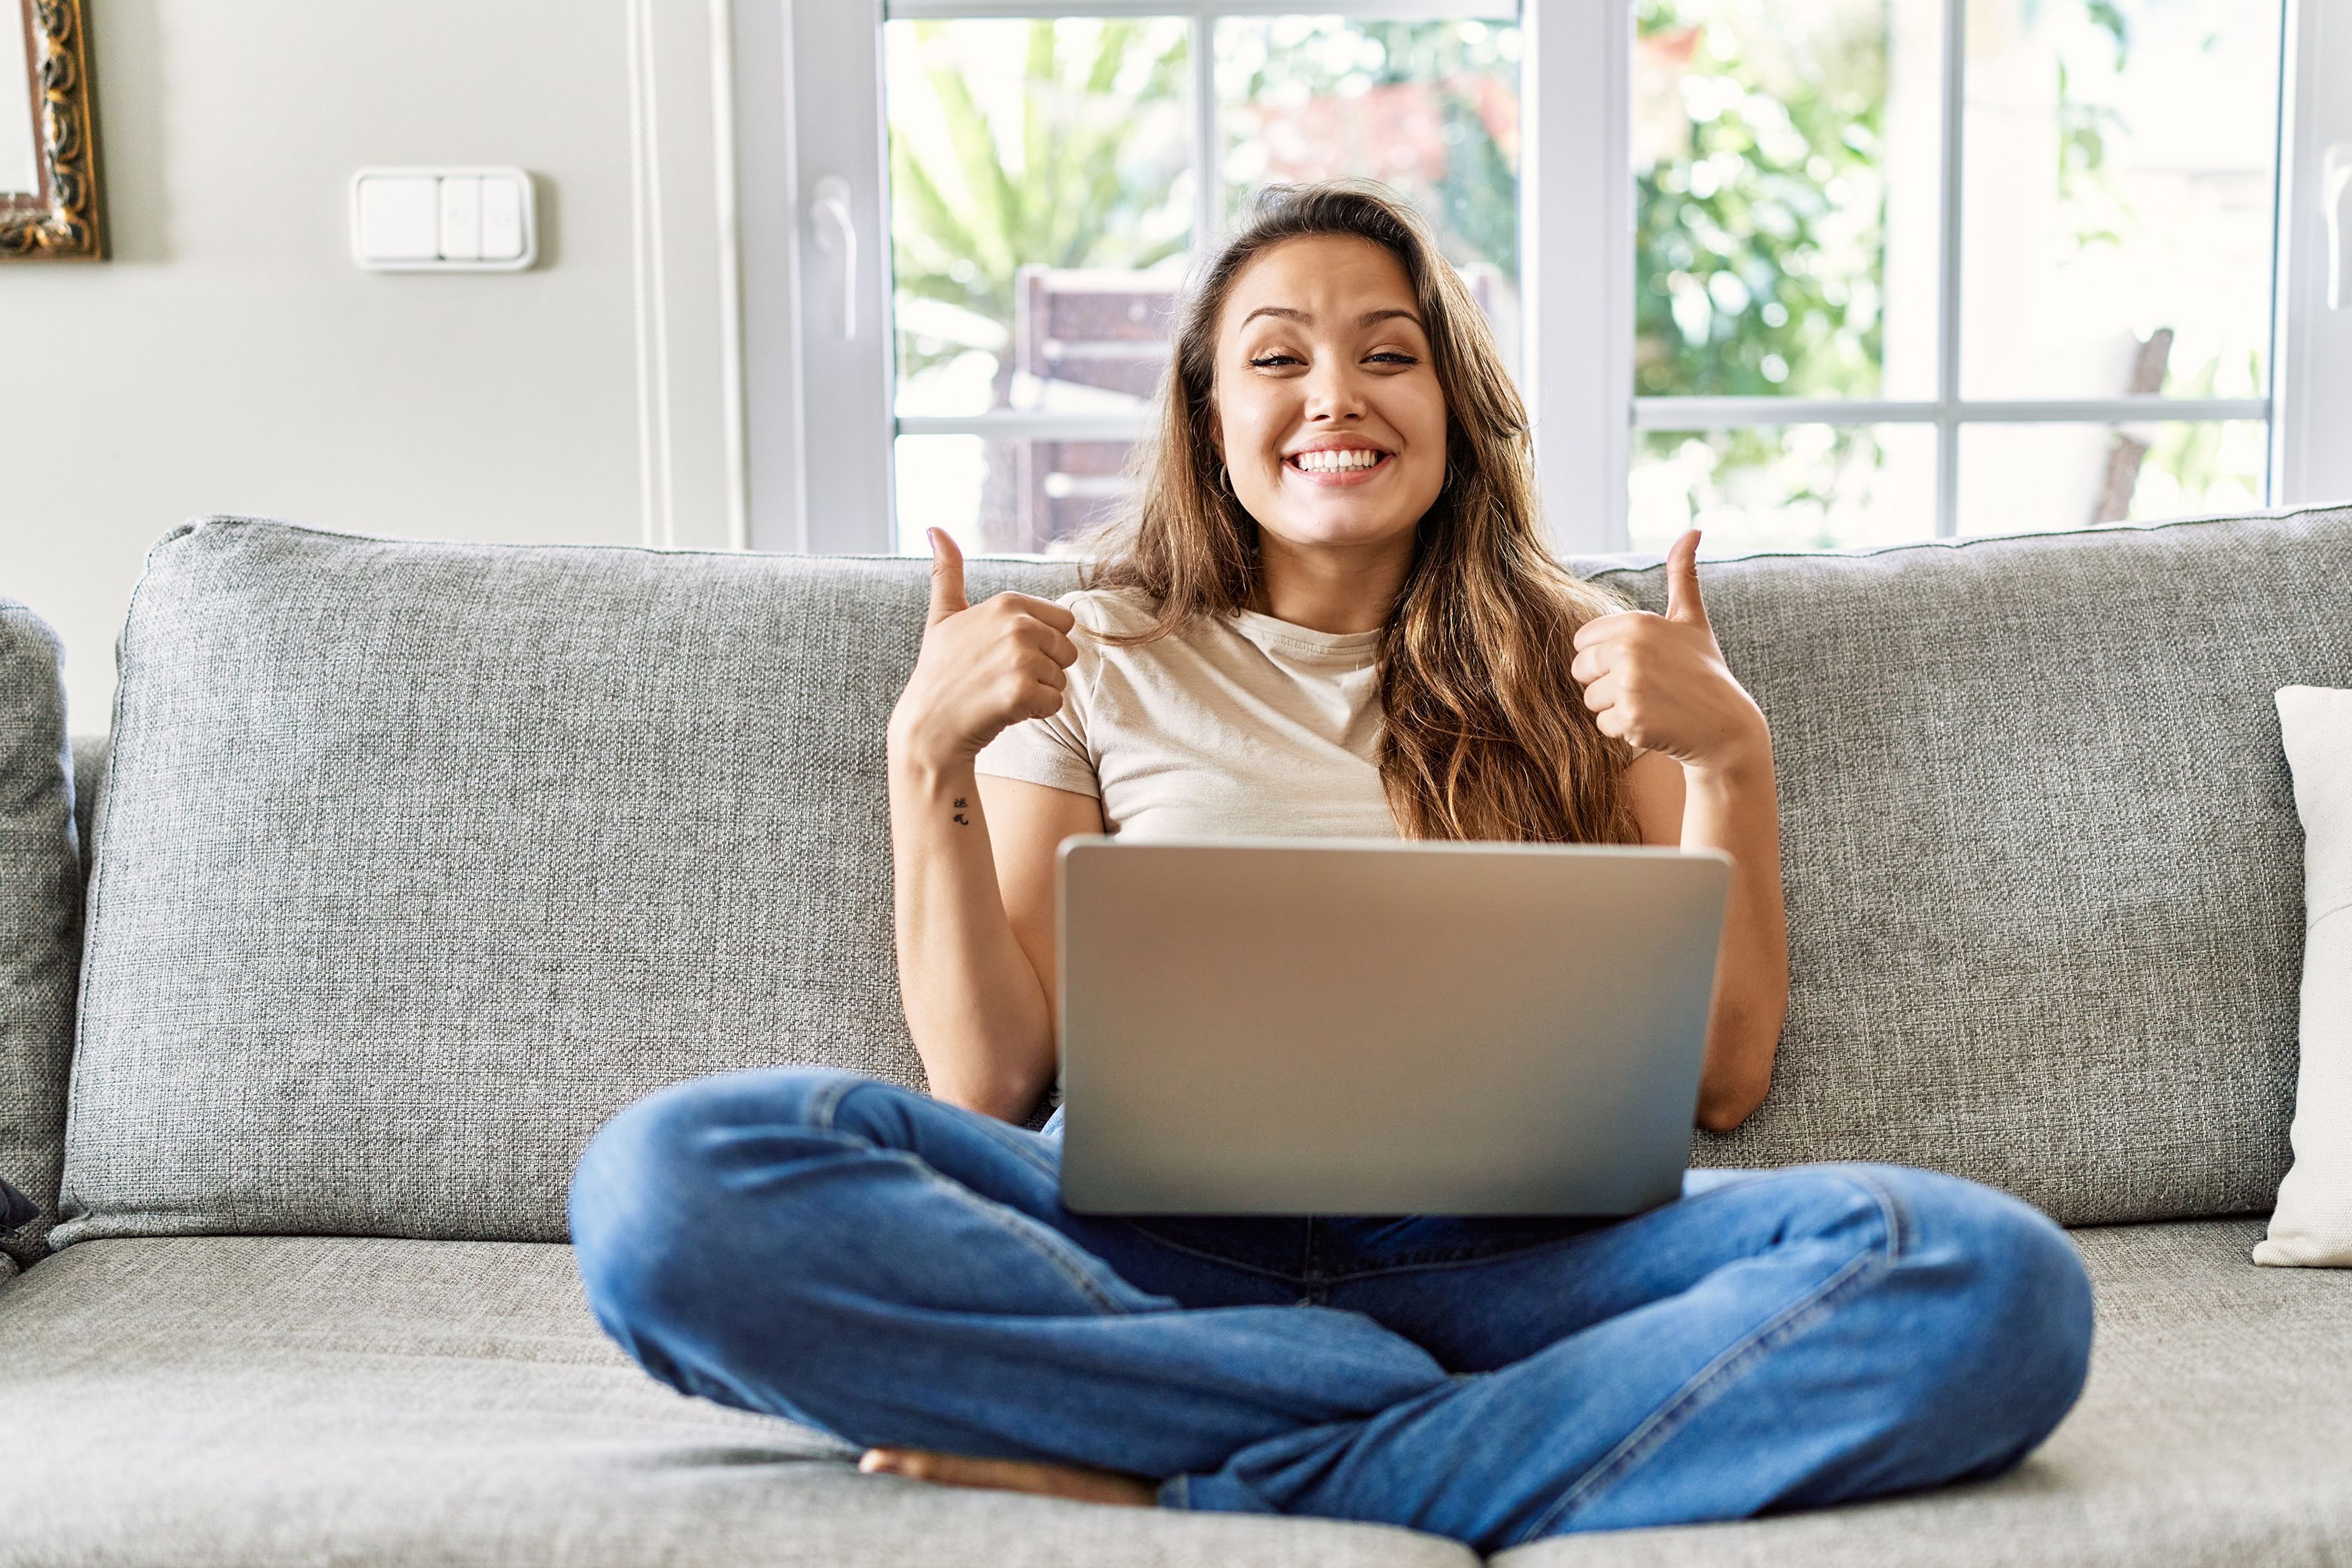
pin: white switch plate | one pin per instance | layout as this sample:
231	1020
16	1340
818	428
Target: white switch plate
396	218
502	209
461	217
444	219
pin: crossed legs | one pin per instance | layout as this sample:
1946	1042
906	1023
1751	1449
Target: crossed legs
901	1272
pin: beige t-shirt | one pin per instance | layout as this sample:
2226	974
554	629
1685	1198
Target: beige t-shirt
1251	728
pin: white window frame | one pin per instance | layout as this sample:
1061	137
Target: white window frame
2311	451
812	164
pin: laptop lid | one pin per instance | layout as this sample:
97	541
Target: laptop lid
1381	1026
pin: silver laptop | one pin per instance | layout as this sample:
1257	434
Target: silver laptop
1279	1026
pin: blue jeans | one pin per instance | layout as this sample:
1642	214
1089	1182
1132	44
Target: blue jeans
901	1272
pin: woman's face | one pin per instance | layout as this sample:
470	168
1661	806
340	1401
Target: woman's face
1328	414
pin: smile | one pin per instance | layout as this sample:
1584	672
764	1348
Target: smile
1337	459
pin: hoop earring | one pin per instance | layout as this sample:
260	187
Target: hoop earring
1225	484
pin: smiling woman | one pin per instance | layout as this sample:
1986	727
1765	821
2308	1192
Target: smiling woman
1329	613
1332	320
1329	419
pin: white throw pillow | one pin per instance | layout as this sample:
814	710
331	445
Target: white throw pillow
2313	1222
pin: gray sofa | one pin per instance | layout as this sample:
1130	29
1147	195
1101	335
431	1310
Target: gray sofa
415	861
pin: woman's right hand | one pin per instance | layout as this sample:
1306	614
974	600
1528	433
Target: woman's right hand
983	668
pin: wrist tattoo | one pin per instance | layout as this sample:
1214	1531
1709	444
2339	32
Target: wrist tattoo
960	816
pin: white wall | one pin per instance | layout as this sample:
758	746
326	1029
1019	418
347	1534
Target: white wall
230	357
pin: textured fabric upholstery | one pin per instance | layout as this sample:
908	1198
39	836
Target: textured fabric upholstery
41	913
2045	874
2213	1433
88	774
253	1402
417	860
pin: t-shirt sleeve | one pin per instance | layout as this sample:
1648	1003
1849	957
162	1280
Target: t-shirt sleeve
1053	751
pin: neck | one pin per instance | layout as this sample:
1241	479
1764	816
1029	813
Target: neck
1331	587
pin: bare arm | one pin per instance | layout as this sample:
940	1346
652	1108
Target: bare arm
977	999
1704	781
977	986
1738	814
1029	822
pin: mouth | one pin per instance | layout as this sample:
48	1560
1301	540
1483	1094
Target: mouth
1339	465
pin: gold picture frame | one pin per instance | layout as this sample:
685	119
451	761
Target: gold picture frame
49	149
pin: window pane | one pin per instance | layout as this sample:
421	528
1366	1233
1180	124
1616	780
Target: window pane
1797	486
2029	478
1041	207
1785	203
2118	171
992	494
1430	108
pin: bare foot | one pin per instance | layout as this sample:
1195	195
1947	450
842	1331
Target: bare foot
1013	1475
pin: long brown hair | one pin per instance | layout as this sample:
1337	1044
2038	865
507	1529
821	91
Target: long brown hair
1485	735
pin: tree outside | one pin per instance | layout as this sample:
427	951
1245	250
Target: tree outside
1761	204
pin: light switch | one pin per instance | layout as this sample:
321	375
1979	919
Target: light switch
399	218
501	218
461	217
480	219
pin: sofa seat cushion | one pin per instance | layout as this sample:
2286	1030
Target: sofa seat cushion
296	1399
2214	1432
251	1401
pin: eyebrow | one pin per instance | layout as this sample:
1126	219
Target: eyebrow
1366	319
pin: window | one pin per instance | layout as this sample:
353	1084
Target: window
1909	269
1048	177
1809	273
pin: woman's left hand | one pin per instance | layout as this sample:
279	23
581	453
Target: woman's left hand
1659	681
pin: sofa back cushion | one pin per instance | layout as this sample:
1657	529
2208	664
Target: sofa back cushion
40	899
419	860
2041	851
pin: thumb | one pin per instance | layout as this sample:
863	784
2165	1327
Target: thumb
947	578
1683	603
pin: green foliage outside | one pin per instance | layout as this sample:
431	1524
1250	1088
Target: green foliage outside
1759	212
964	218
1474	204
1759	244
1750	285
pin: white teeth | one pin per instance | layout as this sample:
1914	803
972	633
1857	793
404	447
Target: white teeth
1331	461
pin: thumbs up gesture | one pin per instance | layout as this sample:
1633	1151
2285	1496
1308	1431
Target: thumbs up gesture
1659	681
982	668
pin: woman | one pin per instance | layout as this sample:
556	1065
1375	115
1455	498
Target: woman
1331	612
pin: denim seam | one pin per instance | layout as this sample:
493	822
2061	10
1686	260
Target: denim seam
1014	1223
1420	1262
1016	1144
829	1099
829	1102
1663	1422
1208	1257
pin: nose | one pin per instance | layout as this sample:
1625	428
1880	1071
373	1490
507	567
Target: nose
1335	391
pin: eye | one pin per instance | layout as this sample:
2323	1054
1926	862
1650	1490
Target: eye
1272	359
1400	358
